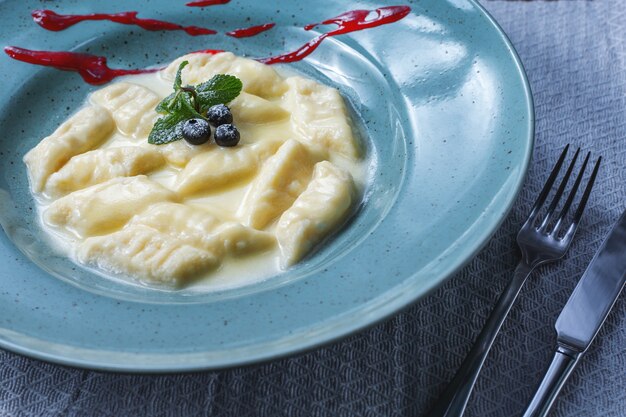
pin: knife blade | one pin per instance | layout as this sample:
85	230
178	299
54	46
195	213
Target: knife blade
583	315
596	292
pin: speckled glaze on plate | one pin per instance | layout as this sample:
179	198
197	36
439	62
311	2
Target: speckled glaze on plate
448	122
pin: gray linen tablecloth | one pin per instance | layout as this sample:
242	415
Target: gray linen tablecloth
575	56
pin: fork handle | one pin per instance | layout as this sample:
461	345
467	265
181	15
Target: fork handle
453	401
563	363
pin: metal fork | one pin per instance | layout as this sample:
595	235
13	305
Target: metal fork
541	239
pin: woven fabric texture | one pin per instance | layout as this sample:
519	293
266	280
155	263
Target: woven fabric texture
575	55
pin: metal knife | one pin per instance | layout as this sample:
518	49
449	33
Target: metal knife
583	315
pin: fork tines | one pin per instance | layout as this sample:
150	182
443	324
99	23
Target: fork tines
550	224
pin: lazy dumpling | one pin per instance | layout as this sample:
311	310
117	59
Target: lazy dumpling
85	130
132	106
281	179
248	108
100	165
220	166
199	228
146	253
258	79
316	212
172	243
319	117
179	153
105	207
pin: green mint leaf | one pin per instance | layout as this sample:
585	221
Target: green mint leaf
183	102
164	106
220	89
166	129
178	81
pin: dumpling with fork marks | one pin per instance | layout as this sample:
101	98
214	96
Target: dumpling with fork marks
171	243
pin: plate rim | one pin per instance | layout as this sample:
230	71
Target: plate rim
344	325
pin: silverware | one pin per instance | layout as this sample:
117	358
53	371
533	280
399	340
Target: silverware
541	239
583	315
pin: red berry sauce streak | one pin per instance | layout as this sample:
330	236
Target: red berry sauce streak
50	20
251	31
205	3
347	22
94	69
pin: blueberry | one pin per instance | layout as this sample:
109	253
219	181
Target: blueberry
219	115
196	131
226	135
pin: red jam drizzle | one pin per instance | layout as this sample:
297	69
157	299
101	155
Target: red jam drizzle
205	3
92	68
251	31
346	23
50	20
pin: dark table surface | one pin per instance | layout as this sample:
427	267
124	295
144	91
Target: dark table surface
574	53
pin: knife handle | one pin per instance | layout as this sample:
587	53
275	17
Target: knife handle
562	365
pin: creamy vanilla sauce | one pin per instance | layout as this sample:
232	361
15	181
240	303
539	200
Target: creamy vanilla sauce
222	202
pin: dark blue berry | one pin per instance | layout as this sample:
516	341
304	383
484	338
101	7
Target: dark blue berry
219	115
196	131
226	135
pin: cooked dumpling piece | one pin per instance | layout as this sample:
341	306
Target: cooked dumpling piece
281	180
258	79
144	252
319	117
180	152
197	227
216	168
248	108
316	212
97	166
131	105
105	207
220	166
87	129
172	243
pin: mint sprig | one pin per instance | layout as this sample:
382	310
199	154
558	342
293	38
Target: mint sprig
220	89
167	129
190	102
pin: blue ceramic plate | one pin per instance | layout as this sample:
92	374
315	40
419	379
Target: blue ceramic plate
447	118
